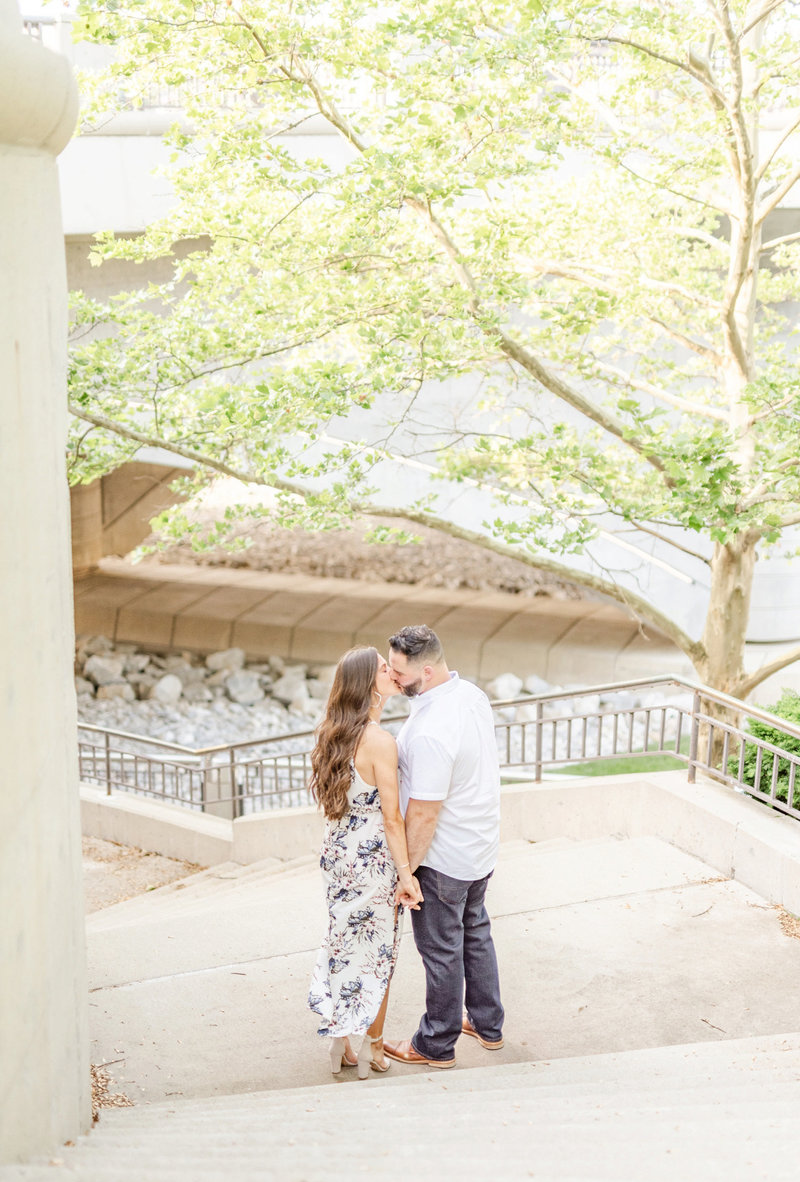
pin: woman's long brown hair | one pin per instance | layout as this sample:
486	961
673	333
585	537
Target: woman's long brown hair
346	715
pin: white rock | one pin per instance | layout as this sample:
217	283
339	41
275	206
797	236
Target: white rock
525	713
291	685
536	685
323	673
507	685
142	683
175	664
82	686
117	689
167	689
96	644
103	670
244	688
229	658
277	666
135	663
306	707
195	691
318	689
191	674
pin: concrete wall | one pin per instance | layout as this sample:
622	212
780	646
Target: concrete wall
304	619
112	515
44	1069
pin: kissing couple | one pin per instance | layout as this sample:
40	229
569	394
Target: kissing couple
412	823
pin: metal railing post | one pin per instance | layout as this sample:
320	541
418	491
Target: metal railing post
538	746
236	802
694	737
108	764
205	782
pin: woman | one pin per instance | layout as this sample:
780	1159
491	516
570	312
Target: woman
364	861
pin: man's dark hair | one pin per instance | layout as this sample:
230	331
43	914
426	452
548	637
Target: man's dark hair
418	642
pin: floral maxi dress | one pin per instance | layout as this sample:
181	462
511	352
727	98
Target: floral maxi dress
356	960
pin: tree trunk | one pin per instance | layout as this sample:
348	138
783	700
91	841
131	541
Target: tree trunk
722	664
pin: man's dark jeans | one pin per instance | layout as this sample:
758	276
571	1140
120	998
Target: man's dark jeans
454	938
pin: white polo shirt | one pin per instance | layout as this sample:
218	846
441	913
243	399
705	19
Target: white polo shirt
447	751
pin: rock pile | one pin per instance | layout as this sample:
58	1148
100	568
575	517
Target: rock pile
198	702
105	672
222	698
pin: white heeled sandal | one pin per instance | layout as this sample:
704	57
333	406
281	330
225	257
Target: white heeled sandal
336	1050
364	1057
374	1063
339	1048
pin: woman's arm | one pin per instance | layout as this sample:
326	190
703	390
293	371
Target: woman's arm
382	752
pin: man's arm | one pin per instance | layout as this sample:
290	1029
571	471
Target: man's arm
421	818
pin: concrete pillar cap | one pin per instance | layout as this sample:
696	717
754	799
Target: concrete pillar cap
38	95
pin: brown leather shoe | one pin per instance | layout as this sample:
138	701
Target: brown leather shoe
468	1028
404	1052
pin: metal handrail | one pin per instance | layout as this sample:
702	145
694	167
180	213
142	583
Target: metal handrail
533	735
183	750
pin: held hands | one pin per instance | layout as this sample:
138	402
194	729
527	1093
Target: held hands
408	893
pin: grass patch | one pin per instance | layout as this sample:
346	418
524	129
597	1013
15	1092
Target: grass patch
623	765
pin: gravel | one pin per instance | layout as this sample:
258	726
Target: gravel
435	561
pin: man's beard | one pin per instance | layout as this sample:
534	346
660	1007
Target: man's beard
412	691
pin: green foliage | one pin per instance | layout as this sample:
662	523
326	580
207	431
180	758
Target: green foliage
787	707
540	216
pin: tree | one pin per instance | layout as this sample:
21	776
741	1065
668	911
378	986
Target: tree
566	201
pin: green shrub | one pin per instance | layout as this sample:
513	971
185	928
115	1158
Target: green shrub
789	708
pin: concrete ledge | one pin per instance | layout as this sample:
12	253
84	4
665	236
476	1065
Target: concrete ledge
164	829
728	831
280	833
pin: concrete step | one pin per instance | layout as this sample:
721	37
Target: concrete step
761	1070
605	1128
190	895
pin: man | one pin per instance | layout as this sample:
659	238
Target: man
450	794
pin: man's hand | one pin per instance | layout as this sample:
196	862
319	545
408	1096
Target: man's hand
409	897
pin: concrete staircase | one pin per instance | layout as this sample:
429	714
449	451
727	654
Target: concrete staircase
648	1003
714	1111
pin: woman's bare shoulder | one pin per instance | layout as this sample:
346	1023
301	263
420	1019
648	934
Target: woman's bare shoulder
378	741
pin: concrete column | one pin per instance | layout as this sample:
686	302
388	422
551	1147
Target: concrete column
44	1069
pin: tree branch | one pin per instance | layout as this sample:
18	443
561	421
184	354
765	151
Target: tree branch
593	275
741	261
762	168
513	350
664	188
701	72
686	68
782	241
645	529
752	680
522	356
188	453
692	408
769	203
771	6
575	399
636	604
